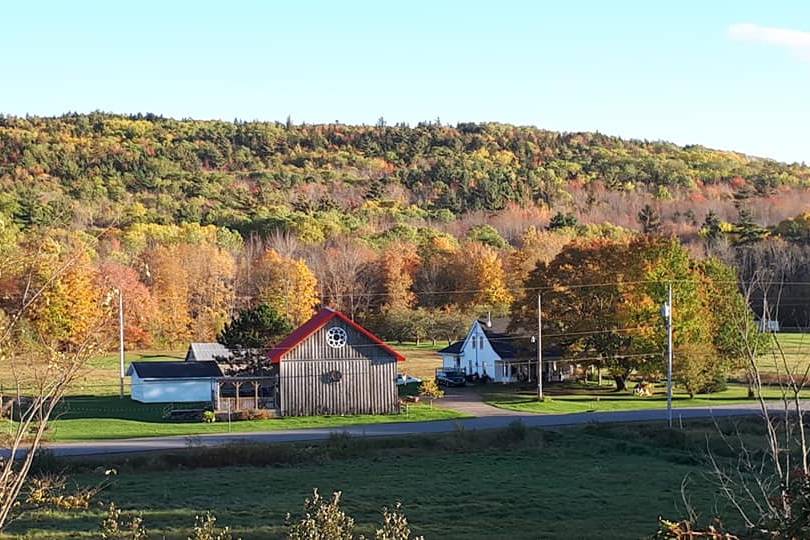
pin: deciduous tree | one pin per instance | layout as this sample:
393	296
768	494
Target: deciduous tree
288	286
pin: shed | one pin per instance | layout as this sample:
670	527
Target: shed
332	365
168	382
207	352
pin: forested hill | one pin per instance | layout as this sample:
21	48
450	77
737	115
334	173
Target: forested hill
96	169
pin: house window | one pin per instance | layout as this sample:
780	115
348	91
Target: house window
473	342
481	342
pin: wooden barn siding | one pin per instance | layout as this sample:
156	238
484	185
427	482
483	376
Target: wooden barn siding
367	387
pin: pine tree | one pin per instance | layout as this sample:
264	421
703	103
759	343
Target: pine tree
650	220
562	221
712	227
748	231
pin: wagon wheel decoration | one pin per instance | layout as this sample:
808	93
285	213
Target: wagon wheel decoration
336	337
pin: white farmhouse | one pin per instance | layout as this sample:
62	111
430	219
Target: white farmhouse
489	353
173	382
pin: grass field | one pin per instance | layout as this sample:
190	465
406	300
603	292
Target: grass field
85	418
595	482
577	397
797	354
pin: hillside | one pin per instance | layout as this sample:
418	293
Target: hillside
411	230
93	170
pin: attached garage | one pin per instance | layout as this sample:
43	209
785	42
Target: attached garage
173	382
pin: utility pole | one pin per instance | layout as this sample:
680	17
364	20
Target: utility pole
121	341
666	312
539	346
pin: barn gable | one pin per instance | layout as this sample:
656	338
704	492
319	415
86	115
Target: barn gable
332	365
310	341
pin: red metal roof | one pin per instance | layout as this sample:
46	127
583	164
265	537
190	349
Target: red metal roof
314	324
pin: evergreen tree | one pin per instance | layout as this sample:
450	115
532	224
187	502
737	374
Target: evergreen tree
650	220
562	221
712	227
748	231
249	335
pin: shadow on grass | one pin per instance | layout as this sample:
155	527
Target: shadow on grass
114	407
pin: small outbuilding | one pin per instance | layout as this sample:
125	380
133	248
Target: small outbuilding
173	382
207	352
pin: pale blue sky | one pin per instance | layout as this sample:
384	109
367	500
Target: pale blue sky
726	74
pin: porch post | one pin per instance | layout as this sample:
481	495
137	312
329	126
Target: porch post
237	385
256	394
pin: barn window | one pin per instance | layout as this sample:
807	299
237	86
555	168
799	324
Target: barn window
336	337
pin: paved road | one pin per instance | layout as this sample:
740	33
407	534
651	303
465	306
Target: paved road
95	448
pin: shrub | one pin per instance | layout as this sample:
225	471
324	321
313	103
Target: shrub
430	389
717	384
254	414
322	519
205	528
209	417
115	527
51	490
395	525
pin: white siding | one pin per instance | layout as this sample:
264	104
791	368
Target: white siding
451	361
171	390
476	358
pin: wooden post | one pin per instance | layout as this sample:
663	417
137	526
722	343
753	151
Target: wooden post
237	385
255	394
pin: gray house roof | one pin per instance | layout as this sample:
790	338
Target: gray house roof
454	348
207	352
175	370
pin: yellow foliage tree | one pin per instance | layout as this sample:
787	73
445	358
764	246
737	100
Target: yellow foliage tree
211	273
170	288
481	278
70	306
398	265
287	285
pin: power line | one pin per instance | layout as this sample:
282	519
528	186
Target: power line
571	286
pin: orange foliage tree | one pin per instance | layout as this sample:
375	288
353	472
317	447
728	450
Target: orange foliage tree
398	264
139	306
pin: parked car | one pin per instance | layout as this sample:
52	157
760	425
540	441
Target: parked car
403	379
450	378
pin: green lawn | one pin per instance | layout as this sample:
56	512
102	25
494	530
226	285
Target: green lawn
797	354
599	482
574	398
84	418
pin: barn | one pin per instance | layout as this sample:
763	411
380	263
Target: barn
173	382
332	365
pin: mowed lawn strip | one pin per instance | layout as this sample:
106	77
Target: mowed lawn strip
578	397
87	418
613	481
